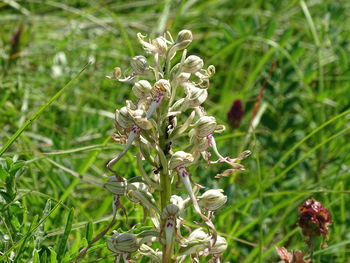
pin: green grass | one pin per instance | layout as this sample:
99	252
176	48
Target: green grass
300	146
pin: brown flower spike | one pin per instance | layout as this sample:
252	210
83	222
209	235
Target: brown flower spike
314	219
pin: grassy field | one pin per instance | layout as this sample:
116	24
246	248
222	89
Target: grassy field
293	53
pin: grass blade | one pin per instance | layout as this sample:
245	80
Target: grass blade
64	238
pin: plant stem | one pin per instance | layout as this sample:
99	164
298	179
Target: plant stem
165	194
312	242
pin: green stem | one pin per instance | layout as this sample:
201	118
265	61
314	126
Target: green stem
164	156
165	194
312	242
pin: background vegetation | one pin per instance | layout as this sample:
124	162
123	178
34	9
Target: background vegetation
300	50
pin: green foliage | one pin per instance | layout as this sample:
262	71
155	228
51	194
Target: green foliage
300	146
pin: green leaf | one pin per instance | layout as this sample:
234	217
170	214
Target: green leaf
43	257
36	258
39	234
89	231
3	174
64	238
16	166
53	256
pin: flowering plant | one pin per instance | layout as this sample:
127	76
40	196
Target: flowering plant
314	221
167	109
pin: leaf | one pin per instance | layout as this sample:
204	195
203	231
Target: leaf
89	231
16	166
36	256
64	238
43	257
53	256
39	233
24	242
3	174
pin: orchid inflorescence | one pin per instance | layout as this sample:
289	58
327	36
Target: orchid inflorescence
167	110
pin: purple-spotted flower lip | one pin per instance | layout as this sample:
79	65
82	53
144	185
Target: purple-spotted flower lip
314	219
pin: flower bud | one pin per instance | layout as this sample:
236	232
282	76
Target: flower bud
163	86
123	118
170	211
195	96
139	64
122	243
192	64
183	39
160	45
197	242
139	192
155	256
220	246
180	158
115	187
213	199
200	144
179	202
198	234
183	77
142	89
205	126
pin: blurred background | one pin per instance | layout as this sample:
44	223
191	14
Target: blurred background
282	63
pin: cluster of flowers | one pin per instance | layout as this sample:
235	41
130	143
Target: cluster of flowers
167	110
314	221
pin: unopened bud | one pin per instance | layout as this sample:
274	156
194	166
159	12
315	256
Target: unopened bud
192	64
170	211
195	96
179	202
160	45
205	126
183	39
139	192
180	158
142	89
139	64
200	144
115	187
198	234
163	86
197	242
183	77
123	118
213	199
220	246
122	243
